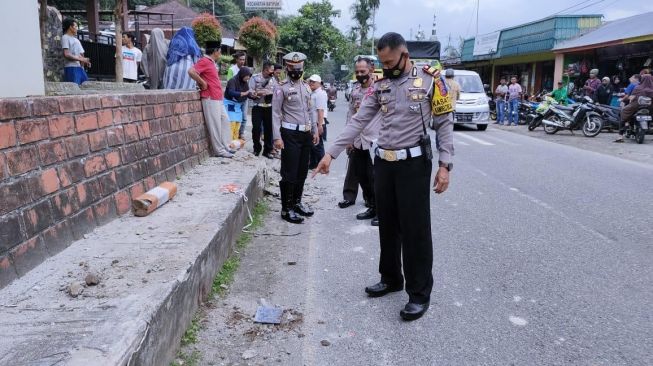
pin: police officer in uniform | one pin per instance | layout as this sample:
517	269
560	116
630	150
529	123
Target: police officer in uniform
263	84
294	133
402	171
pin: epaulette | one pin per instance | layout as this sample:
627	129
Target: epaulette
431	70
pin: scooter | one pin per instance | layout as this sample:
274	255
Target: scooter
584	116
611	117
640	122
331	104
541	112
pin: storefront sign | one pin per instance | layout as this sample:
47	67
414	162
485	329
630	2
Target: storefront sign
486	44
262	4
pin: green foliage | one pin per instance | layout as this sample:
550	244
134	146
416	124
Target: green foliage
362	12
227	11
187	359
259	36
206	28
312	32
190	336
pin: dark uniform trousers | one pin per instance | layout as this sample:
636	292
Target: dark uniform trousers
403	206
359	171
317	151
294	165
262	116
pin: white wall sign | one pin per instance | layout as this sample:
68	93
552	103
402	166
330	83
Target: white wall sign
262	4
486	44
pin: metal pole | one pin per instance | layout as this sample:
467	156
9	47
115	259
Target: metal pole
478	4
213	7
373	26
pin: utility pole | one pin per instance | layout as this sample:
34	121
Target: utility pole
213	2
478	4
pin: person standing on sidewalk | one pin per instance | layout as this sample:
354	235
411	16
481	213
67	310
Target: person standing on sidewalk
236	98
500	93
405	98
294	134
592	84
131	58
514	97
319	102
73	54
359	168
263	85
205	74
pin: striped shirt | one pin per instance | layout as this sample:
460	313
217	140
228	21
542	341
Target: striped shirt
176	75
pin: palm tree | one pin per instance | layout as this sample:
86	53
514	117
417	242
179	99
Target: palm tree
360	12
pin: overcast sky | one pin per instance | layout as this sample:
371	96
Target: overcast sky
457	17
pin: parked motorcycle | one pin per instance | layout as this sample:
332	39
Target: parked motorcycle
584	116
611	117
640	122
541	112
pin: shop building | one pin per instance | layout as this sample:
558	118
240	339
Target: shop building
620	48
525	51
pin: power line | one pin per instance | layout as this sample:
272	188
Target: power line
571	7
592	4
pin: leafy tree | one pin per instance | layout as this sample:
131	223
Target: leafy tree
227	11
259	36
362	11
206	28
312	32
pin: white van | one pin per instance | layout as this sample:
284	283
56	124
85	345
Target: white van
473	106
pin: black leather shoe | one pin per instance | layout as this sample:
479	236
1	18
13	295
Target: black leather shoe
381	289
375	221
413	311
292	217
345	203
370	213
303	210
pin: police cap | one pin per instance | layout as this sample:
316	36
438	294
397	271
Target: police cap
294	58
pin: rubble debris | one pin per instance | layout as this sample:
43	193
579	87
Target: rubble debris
146	203
268	315
325	343
249	354
292	263
92	279
75	289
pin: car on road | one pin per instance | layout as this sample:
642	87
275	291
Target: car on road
473	106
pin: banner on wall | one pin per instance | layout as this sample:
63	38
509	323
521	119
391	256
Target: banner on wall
262	4
486	44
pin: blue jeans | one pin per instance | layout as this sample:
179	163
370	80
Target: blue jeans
513	117
501	111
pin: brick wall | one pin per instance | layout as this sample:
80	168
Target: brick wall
68	164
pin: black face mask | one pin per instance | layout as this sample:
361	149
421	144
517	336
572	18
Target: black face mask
396	71
362	78
295	74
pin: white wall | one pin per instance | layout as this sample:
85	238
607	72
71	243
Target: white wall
21	64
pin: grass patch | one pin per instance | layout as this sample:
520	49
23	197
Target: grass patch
187	359
190	336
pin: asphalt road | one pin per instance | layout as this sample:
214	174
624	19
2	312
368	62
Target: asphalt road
542	253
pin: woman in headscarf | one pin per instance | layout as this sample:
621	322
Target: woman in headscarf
183	53
154	60
235	98
644	89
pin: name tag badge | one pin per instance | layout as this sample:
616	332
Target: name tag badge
418	82
384	108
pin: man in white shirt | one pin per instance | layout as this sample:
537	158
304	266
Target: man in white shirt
131	57
319	111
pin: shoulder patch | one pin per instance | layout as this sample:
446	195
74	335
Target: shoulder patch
431	71
283	82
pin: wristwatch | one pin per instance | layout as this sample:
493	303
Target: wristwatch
448	166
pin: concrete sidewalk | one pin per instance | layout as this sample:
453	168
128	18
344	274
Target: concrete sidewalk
153	272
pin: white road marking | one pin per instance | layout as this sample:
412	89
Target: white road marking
493	138
460	143
517	321
475	139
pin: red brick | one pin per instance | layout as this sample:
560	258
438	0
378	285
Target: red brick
92	102
108	184
88	192
126	100
120	115
10	232
28	255
135	114
7	271
136	190
3	164
58	237
14	195
83	223
97	140
30	130
65	203
148	112
77	145
123	202
37	218
159	111
94	165
168	110
149	183
49	181
7	135
104	118
131	133
14	108
115	136
178	109
86	122
52	152
70	104
140	99
105	210
71	172
110	101
112	159
62	125
22	160
144	130
175	125
45	106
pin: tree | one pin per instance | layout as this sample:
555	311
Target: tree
227	11
312	32
260	37
206	28
362	11
117	14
